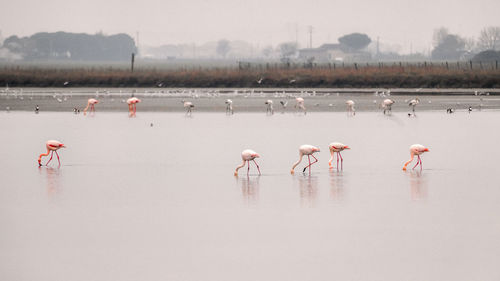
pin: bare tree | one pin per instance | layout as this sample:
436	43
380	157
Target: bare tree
287	50
439	35
489	39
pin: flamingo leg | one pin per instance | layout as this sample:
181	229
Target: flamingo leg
248	169
337	161
258	168
341	161
58	158
418	161
51	154
308	166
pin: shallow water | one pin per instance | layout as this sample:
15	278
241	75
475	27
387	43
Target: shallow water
133	201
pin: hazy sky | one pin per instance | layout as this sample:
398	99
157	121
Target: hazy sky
261	22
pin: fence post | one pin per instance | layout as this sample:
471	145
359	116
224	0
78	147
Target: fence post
470	62
496	64
447	65
132	63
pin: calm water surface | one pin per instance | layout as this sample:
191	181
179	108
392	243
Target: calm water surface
133	201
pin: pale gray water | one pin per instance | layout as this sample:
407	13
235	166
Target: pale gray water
135	202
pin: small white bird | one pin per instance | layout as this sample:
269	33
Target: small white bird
350	107
188	106
229	107
387	106
414	103
299	105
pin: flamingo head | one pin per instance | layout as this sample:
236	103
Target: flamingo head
346	147
426	149
316	149
256	155
39	162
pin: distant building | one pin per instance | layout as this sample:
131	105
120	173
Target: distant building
331	53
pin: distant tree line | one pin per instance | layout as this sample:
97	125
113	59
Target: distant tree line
72	46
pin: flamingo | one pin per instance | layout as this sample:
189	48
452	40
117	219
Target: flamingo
269	109
337	147
90	103
52	146
350	107
308	150
229	107
132	105
300	105
248	155
416	149
414	103
387	105
188	106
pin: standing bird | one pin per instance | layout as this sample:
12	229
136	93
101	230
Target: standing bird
416	149
188	106
248	155
269	109
308	150
414	103
90	103
132	105
300	105
229	107
387	106
37	109
350	107
52	146
337	147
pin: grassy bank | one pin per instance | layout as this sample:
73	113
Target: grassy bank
356	77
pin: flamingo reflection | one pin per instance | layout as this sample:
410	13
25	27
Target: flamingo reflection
249	189
336	185
418	185
51	176
308	187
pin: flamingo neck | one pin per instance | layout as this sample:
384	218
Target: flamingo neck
298	162
43	154
240	166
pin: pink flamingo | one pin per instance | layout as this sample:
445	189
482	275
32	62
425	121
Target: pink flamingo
337	147
248	155
52	146
91	103
132	105
416	149
308	150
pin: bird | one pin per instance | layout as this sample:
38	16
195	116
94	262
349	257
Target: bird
90	103
229	107
308	150
350	107
269	109
337	147
414	103
52	146
37	109
132	105
300	105
188	106
416	149
260	80
248	155
387	106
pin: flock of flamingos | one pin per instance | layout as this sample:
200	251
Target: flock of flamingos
250	155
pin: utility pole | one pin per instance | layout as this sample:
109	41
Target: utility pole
137	41
310	29
378	46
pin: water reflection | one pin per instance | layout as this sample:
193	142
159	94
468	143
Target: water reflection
336	185
249	189
308	187
418	184
52	179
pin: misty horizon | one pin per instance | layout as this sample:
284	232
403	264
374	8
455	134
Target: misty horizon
406	26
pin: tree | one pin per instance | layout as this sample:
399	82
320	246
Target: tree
287	50
267	51
488	55
223	47
354	42
451	47
489	39
439	35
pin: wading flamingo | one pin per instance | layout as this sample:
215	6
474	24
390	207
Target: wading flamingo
132	105
414	103
387	106
337	147
299	105
188	106
52	146
308	150
229	107
248	155
350	107
416	149
269	109
90	103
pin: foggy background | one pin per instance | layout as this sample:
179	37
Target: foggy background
194	28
